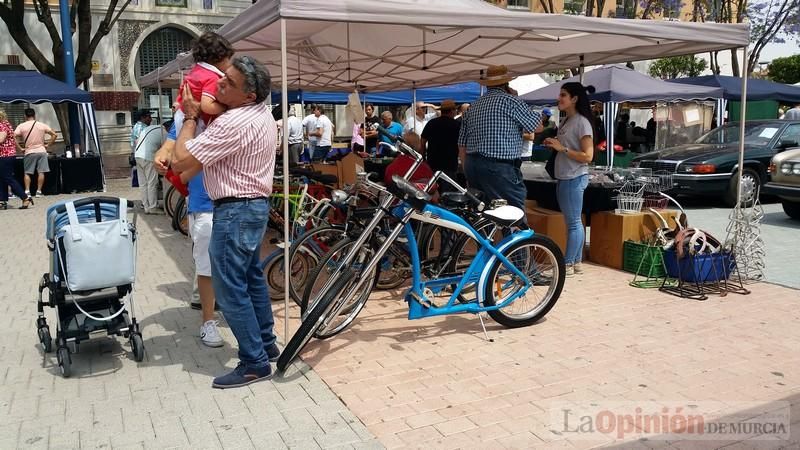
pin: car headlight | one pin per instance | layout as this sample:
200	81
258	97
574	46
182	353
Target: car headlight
796	169
786	168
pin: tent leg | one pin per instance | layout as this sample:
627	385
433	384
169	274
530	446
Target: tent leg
285	146
742	129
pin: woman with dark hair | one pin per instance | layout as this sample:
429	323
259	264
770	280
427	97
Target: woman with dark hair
575	147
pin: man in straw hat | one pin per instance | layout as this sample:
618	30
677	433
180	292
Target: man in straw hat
490	140
439	141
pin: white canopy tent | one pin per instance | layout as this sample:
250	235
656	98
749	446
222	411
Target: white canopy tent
387	45
369	45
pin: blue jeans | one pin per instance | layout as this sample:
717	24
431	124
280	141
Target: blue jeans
496	180
320	152
238	281
570	200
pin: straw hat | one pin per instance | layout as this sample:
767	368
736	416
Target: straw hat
447	105
496	76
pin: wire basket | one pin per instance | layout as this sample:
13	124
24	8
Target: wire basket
630	198
655	202
629	205
660	181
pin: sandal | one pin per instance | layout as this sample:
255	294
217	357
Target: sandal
27	202
3	205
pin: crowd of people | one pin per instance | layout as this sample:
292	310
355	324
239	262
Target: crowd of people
29	137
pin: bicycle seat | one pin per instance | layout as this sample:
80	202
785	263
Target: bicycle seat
506	215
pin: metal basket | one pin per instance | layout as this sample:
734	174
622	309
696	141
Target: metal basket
629	205
655	202
660	181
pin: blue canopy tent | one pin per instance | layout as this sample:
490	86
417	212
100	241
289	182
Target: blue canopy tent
33	87
615	84
757	90
460	93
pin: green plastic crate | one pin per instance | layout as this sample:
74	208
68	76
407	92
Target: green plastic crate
643	260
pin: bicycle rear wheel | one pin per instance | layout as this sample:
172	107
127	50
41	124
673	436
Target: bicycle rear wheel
180	218
542	262
312	321
171	198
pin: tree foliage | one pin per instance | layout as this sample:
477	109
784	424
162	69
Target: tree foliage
678	66
785	70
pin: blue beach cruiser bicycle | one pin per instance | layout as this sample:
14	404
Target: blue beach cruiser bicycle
515	276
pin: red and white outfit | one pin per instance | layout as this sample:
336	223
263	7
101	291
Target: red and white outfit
238	153
202	81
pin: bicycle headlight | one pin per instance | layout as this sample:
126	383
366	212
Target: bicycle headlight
338	196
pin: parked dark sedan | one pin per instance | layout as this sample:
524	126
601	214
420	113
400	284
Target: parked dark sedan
708	166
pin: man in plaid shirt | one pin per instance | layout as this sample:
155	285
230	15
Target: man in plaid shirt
490	140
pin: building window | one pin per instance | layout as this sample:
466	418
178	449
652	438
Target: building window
157	49
172	3
208	4
519	4
575	7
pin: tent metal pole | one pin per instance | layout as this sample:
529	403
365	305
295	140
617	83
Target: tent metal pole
581	70
160	106
742	128
285	146
414	103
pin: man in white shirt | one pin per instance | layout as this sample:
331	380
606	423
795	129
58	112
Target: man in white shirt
310	126
294	126
325	134
417	122
792	114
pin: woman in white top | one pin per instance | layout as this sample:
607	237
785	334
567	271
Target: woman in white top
575	147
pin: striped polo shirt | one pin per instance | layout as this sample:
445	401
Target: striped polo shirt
238	152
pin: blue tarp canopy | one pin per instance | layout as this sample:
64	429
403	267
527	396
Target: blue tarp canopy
621	84
756	89
33	87
460	93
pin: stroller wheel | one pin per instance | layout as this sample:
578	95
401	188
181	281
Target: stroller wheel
137	347
64	361
45	339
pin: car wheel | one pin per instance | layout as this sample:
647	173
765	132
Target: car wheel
792	209
751	184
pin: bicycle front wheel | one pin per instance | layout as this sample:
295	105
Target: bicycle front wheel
311	247
312	321
542	262
352	302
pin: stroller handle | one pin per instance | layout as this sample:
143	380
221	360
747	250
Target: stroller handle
97	201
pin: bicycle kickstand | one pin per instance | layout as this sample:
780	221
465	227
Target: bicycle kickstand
483	326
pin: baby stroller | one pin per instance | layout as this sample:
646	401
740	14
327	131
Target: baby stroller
92	269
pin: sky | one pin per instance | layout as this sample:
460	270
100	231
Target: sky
773	51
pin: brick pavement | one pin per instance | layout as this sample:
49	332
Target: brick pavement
165	401
437	383
434	383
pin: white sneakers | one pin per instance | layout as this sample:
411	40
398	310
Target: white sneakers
573	269
209	334
578	268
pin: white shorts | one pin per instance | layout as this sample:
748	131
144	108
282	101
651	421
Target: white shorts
200	230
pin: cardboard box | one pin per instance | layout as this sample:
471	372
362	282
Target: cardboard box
349	166
551	224
610	230
531	204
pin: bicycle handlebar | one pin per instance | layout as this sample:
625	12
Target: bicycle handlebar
403	147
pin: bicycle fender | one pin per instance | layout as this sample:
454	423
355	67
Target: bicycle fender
502	246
